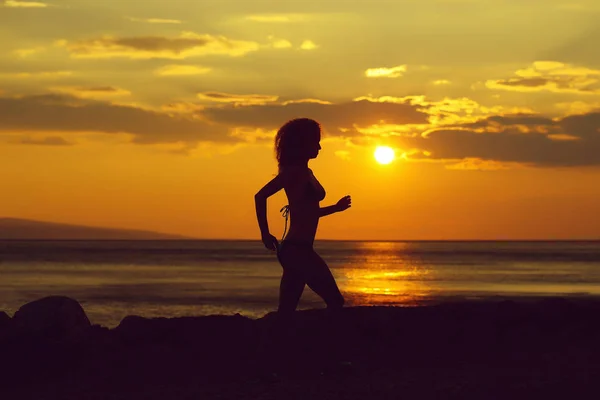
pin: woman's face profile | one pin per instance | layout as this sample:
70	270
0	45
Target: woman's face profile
314	147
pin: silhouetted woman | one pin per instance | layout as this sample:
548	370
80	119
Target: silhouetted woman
295	144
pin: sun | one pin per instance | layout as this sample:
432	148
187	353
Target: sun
384	154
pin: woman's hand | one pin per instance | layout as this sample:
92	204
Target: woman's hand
344	203
270	241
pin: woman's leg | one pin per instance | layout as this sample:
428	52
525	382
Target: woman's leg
290	289
320	279
292	280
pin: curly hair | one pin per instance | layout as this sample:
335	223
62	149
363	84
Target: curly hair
293	140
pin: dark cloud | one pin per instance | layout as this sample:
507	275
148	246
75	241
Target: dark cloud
527	82
579	144
108	89
188	44
337	119
56	113
247	99
510	121
520	138
155	43
47	141
586	126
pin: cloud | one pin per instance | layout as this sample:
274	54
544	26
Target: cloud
317	101
237	99
279	43
61	113
308	45
179	70
578	107
448	111
37	75
495	141
93	92
276	18
342	119
183	107
384	72
440	82
46	141
551	76
476	164
24	4
524	139
155	20
188	44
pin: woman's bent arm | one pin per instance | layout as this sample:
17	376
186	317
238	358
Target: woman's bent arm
261	213
343	204
324	211
260	201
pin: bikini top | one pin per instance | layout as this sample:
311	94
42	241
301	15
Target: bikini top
313	189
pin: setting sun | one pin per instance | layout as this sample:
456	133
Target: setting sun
384	154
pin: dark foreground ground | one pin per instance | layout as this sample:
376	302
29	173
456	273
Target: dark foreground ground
546	349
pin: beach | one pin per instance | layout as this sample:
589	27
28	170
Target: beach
544	348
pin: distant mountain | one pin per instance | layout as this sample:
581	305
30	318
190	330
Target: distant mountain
14	228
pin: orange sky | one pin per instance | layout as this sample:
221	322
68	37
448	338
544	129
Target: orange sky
160	115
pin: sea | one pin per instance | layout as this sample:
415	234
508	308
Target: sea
171	278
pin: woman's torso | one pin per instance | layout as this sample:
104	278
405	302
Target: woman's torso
304	192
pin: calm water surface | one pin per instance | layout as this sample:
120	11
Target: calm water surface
112	279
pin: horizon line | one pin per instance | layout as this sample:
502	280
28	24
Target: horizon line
316	240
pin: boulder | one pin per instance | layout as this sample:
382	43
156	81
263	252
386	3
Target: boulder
51	317
4	320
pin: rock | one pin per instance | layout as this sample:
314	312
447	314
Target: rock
51	317
4	320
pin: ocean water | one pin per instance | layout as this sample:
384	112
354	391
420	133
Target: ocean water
113	279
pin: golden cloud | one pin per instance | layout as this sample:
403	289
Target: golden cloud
477	164
440	82
578	107
280	43
37	75
24	4
448	111
308	45
93	92
253	135
551	76
276	18
316	101
155	20
384	72
188	44
179	69
237	99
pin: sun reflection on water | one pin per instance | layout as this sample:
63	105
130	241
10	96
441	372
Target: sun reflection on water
382	275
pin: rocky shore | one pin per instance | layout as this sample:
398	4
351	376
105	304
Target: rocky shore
548	348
